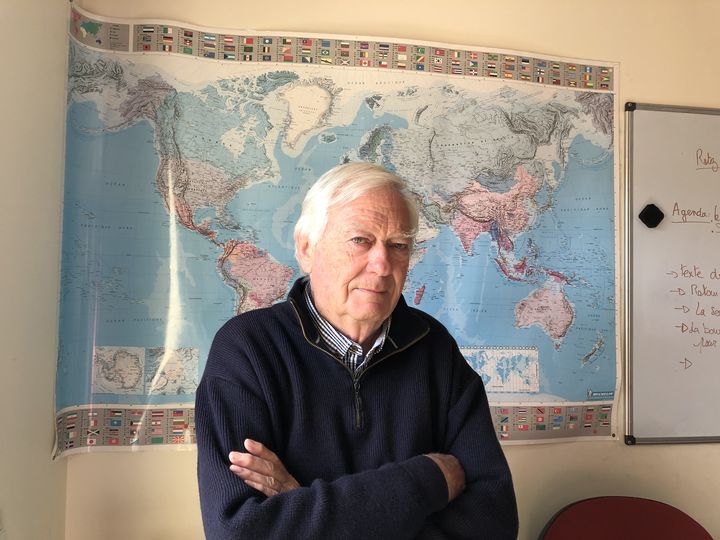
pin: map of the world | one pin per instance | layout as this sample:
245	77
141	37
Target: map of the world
184	178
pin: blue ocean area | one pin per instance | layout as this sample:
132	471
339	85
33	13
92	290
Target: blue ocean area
116	260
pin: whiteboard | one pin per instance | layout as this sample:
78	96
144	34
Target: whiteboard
673	274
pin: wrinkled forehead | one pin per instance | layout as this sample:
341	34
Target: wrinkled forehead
380	207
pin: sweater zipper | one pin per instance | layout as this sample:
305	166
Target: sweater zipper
358	404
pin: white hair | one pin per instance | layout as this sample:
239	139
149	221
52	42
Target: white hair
343	184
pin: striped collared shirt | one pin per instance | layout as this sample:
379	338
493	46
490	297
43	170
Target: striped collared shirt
344	348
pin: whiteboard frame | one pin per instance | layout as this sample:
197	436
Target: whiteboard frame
630	108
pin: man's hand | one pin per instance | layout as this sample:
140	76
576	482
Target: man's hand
261	469
453	471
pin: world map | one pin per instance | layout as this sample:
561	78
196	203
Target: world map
184	179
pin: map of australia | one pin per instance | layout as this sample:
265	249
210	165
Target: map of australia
201	171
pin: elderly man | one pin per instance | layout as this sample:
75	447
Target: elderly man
343	413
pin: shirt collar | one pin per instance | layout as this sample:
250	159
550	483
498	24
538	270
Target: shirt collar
337	341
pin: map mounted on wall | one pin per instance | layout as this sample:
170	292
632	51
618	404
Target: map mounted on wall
188	153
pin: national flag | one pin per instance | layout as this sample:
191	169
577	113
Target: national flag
363	54
557	426
156	431
364	45
188	42
91	442
146	47
509	67
344	53
115	413
247	49
93	433
209	37
364	62
557	419
156	422
167	30
71	417
420	50
419	59
325	60
288	58
401	65
229	56
344	44
508	75
539	419
93	422
571	67
178	439
157	413
167	48
493	57
472	55
344	61
402	57
113	441
133	423
114	432
437	60
324	52
521	410
265	50
157	440
306	59
473	71
71	434
504	419
590	409
491	65
148	29
570	427
439	52
229	48
384	46
248	41
504	436
606	408
382	55
456	54
587	426
510	59
382	64
525	77
419	67
286	41
267	41
325	43
402	48
556	81
523	427
540	427
521	418
229	39
209	46
504	428
188	33
541	80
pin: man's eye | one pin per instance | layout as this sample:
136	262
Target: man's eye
399	246
359	240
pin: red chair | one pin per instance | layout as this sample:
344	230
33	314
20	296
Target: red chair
620	518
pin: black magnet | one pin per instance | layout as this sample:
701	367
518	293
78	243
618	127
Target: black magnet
651	216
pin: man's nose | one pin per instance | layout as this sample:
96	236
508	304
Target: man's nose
379	259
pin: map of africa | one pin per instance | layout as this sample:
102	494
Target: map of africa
184	179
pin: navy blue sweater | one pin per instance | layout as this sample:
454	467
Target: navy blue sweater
354	443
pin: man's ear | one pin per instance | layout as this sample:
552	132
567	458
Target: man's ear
304	253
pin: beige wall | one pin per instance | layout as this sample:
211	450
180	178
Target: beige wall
667	50
32	79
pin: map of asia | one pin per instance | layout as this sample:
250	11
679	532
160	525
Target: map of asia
188	153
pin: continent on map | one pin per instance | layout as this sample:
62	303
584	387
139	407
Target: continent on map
548	308
172	371
511	212
257	278
118	370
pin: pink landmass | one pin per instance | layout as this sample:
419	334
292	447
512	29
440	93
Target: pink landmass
419	295
478	208
258	279
548	308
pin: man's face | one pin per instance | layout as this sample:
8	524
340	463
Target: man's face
358	267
